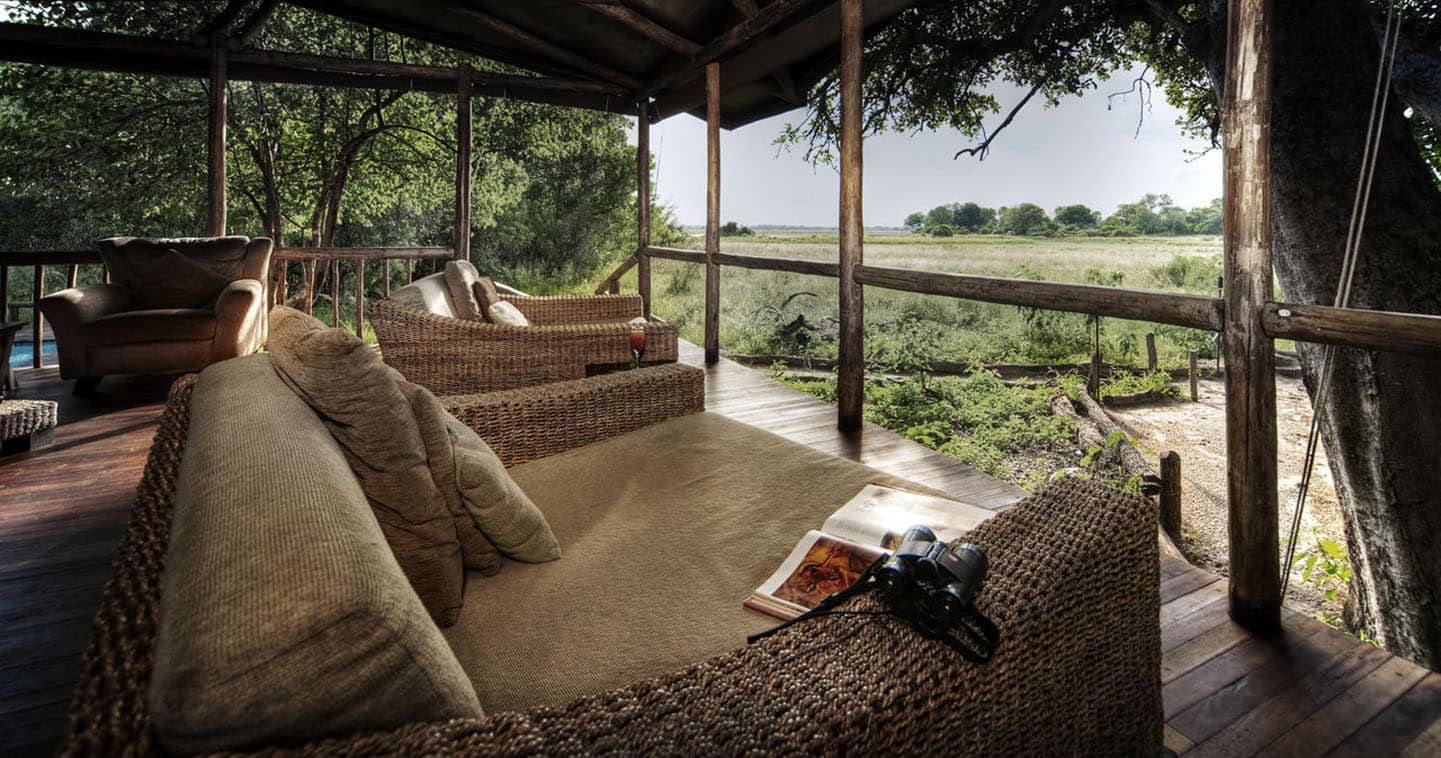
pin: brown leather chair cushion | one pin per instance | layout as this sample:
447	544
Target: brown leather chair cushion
157	325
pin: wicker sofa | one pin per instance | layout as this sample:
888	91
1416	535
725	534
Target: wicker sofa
634	642
420	335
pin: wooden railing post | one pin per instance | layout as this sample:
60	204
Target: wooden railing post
1255	600
642	203
4	293
1171	494
219	100
712	214
385	279
360	299
335	293
38	325
1195	371
464	89
851	369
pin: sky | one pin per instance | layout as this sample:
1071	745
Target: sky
1077	152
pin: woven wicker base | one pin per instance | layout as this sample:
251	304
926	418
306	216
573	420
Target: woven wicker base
26	424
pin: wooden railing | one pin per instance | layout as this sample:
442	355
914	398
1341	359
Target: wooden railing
1348	327
71	260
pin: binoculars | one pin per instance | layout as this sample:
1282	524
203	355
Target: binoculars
932	581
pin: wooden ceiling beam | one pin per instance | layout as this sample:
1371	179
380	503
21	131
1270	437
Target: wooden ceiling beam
254	24
644	25
764	20
567	57
222	21
746	7
102	51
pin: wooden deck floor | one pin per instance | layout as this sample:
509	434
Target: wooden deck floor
1313	691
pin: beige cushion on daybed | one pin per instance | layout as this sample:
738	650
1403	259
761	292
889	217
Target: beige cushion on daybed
666	530
283	613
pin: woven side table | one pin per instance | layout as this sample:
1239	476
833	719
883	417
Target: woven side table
26	424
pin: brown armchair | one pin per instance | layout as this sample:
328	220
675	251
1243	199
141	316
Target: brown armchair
173	305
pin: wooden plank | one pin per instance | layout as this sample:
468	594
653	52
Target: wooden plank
1231	702
1191	653
1261	725
642	203
676	254
712	214
1332	724
1249	353
463	126
1426	745
1196	685
385	277
566	57
851	367
1192	601
335	294
1410	716
1175	741
1354	327
1194	311
219	102
772	15
790	265
48	257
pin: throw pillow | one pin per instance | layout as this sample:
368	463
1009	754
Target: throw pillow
358	398
162	278
506	314
501	510
485	294
477	553
459	276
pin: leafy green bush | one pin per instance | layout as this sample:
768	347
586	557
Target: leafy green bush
1189	273
1126	383
941	230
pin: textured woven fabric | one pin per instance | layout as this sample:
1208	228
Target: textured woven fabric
21	417
284	615
666	530
485	293
357	397
568	336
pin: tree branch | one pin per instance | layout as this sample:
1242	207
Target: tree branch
985	147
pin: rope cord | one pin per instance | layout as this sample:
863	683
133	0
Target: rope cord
1360	205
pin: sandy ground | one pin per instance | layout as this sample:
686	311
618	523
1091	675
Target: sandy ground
1197	432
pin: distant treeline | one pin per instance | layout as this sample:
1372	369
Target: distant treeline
1152	214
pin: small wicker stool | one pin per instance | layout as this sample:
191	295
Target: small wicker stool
26	424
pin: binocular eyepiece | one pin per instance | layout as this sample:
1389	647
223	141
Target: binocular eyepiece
924	572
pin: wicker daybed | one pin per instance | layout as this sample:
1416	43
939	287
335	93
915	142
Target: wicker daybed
1073	588
570	335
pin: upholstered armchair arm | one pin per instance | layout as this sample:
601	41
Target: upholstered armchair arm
240	319
577	309
68	309
525	424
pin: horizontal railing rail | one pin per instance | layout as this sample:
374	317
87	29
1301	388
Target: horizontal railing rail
1347	327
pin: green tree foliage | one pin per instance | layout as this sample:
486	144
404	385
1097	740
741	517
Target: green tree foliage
1026	218
916	221
85	154
972	217
732	229
1078	216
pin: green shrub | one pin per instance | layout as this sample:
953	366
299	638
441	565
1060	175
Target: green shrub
1189	273
1127	383
941	230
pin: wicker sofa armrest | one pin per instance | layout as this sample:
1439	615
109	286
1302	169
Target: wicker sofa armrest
1074	588
577	309
534	422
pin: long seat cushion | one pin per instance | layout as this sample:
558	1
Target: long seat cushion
283	614
159	325
666	531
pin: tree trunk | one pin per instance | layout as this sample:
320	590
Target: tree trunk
1382	420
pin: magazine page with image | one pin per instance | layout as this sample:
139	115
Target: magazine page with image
865	528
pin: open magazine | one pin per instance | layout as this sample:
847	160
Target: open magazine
827	561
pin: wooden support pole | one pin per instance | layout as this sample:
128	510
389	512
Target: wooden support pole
712	213
642	203
360	299
1171	494
335	293
385	278
1195	373
851	369
1255	600
309	273
409	271
4	293
1150	352
282	282
38	325
465	86
219	102
72	275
